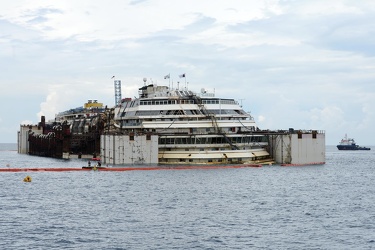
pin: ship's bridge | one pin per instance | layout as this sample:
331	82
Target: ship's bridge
153	91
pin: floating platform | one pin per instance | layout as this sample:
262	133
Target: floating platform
121	169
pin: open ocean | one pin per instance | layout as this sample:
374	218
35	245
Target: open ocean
331	206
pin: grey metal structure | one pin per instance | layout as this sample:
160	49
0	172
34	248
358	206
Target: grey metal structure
118	98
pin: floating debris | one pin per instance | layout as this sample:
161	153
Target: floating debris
27	179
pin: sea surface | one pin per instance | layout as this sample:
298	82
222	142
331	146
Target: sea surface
330	206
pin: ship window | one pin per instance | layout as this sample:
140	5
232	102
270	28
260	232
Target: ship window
148	137
299	135
131	137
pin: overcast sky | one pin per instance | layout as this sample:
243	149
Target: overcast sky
303	64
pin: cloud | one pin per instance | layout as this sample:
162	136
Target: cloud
27	122
368	104
301	64
48	107
134	2
261	118
328	117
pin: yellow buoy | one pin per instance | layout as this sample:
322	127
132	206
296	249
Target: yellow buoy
27	179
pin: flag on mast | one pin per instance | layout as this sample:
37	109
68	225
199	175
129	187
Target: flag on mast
112	77
167	76
182	76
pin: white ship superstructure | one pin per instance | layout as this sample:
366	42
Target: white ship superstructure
192	128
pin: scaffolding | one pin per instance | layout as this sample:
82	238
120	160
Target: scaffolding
117	92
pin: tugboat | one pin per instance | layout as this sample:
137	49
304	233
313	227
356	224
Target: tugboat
350	144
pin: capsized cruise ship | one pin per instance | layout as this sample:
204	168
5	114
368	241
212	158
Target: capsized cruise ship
169	126
192	128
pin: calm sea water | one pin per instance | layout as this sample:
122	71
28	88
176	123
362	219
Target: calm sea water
311	207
